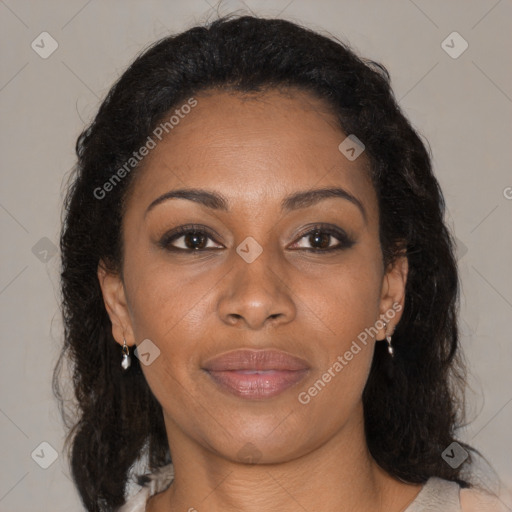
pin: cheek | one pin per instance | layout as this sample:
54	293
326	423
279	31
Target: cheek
345	301
168	302
345	309
170	308
348	307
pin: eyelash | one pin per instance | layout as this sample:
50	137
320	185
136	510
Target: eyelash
345	242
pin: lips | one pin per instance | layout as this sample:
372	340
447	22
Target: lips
256	374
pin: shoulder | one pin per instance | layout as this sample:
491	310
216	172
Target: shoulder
155	482
440	494
437	494
136	503
474	500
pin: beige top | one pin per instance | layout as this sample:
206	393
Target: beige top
437	495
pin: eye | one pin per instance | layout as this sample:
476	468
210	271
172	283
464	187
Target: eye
190	238
196	238
322	238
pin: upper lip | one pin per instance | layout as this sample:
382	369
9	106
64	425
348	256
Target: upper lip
247	359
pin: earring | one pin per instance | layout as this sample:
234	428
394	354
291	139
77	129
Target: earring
388	339
127	360
390	347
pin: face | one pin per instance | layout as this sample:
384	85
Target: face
249	255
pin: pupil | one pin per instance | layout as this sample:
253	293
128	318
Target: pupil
322	239
193	239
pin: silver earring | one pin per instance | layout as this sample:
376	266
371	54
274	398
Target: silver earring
127	360
390	347
388	339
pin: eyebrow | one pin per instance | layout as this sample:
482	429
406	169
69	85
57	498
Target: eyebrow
295	201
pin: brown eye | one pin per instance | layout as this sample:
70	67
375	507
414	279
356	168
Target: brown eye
324	239
195	240
189	239
320	240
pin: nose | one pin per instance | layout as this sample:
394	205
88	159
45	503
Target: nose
256	294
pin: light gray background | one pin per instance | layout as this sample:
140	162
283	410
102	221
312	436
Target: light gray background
463	107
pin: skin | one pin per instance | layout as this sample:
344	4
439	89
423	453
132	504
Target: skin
255	150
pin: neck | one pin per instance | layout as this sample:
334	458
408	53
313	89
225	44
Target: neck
340	476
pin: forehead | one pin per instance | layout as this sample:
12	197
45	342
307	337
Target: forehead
252	148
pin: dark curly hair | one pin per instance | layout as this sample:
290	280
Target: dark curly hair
411	418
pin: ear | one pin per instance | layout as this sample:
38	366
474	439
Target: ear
114	297
393	294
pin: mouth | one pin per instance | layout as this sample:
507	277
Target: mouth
256	374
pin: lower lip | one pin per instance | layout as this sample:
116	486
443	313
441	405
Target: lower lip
266	384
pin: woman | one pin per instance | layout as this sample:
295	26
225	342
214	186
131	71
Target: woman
259	291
